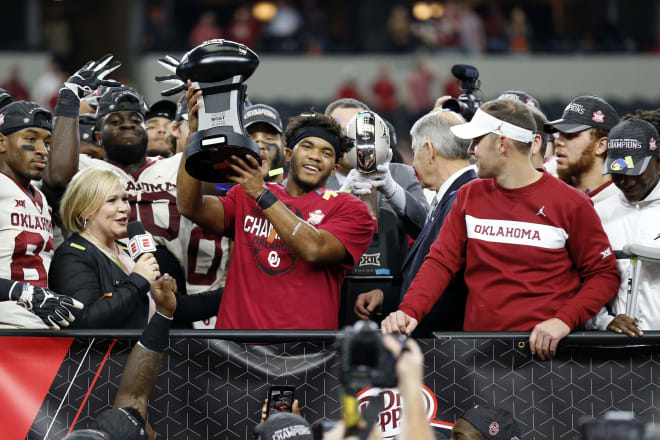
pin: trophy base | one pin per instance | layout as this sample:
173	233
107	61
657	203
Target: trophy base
209	150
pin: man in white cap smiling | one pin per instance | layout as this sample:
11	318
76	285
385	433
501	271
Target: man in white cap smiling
533	249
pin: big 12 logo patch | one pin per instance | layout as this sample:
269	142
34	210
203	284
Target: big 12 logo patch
389	418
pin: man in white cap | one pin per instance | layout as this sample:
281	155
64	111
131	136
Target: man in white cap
534	252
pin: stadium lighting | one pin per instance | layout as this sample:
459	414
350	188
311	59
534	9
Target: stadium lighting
264	11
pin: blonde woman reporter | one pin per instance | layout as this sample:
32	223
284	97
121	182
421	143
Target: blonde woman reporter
91	265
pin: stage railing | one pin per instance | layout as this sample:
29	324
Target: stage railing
213	382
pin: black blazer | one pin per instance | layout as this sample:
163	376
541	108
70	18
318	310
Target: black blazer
448	312
113	299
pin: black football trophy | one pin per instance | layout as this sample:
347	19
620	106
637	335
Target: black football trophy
219	69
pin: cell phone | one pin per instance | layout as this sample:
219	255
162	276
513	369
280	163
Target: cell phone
280	399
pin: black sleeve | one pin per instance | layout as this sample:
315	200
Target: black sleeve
5	288
191	308
74	273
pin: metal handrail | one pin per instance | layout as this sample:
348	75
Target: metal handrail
582	338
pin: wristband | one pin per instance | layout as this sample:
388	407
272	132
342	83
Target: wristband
156	337
68	104
266	199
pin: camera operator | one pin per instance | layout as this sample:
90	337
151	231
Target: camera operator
369	359
535	255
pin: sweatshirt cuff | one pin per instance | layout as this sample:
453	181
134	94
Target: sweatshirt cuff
139	281
567	319
410	312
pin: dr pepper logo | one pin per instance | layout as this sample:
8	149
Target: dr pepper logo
389	418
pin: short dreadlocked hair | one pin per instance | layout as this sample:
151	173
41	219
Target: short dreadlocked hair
650	116
314	119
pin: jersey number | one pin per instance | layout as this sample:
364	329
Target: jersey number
211	275
33	243
146	208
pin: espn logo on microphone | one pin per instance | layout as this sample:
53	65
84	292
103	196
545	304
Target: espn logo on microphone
140	244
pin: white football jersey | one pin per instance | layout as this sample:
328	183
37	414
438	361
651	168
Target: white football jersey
152	196
26	234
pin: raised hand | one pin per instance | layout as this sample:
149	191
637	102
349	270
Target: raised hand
178	85
92	75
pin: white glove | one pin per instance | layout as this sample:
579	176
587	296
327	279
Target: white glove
357	183
382	180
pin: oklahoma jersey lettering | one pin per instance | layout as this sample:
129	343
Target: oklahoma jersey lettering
26	234
514	232
152	196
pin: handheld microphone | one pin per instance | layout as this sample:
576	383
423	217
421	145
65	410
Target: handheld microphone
140	242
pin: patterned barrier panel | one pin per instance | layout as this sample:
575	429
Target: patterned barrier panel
214	389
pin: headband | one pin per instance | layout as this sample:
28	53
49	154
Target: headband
314	131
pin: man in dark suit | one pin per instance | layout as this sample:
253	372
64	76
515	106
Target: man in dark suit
402	210
441	161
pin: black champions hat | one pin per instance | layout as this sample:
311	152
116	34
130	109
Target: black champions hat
284	425
519	95
86	126
162	109
582	113
23	114
262	113
116	99
631	145
493	423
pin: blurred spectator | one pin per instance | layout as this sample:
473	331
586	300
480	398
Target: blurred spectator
14	86
495	27
348	87
159	33
460	28
384	92
58	36
313	32
46	87
244	29
399	29
205	29
520	31
281	33
420	82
